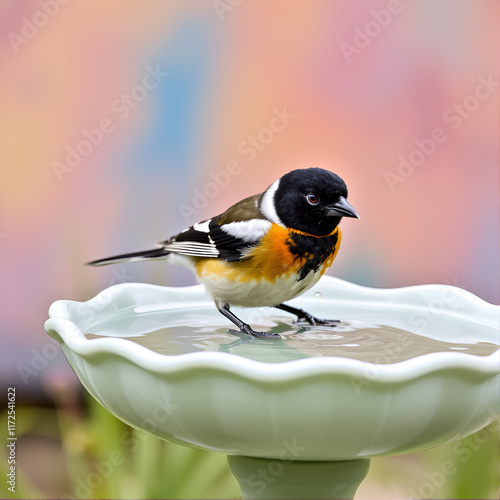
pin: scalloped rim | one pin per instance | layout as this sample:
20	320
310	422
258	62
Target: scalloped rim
64	330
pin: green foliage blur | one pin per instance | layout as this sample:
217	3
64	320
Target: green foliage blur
88	453
82	451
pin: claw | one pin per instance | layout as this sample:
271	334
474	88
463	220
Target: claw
244	327
253	333
305	316
312	320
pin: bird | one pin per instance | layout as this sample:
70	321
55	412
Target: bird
264	250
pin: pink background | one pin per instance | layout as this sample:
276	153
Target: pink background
226	77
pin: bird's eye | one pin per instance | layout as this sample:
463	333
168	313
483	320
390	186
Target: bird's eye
312	199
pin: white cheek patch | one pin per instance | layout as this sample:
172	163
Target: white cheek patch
267	205
248	230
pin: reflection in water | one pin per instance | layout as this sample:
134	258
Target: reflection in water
368	341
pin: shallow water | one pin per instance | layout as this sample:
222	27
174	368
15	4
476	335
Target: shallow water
375	341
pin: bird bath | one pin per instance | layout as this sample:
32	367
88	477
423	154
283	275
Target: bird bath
299	416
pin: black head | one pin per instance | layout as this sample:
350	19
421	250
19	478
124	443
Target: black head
312	200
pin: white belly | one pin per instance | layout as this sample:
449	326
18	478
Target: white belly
258	293
234	290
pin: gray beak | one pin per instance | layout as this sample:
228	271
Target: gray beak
342	208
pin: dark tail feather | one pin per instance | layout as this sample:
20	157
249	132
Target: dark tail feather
131	257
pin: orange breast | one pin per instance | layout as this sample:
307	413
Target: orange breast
269	260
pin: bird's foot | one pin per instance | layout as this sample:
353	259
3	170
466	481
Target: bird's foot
244	327
312	320
305	316
247	329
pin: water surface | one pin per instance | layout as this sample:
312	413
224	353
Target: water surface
375	340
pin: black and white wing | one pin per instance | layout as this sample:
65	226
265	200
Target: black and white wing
227	236
212	239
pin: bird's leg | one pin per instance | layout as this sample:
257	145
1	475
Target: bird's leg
244	327
304	315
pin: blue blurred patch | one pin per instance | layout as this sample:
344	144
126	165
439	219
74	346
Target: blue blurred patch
159	167
172	139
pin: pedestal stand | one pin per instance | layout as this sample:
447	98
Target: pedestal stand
262	478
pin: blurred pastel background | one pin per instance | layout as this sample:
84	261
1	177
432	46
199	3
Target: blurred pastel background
179	88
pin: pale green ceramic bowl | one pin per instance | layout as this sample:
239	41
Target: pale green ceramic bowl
319	408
